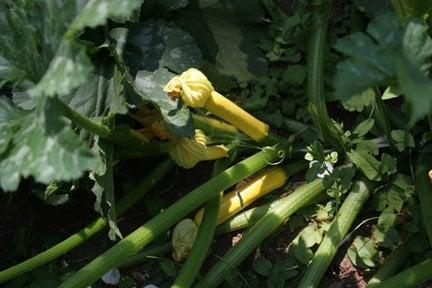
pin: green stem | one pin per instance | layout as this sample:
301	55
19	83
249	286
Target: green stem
380	113
393	262
253	215
329	246
90	230
135	241
139	258
123	135
261	230
424	188
190	269
315	74
411	277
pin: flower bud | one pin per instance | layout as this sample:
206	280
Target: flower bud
183	238
193	87
187	152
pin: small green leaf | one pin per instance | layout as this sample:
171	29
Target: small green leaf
402	139
360	101
262	266
294	74
367	163
363	252
385	232
390	93
387	166
364	127
168	267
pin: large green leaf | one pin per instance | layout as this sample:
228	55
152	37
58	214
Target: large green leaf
149	85
104	182
31	31
384	54
43	147
156	44
227	33
71	66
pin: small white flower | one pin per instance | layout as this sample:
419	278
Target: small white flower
150	286
112	277
328	168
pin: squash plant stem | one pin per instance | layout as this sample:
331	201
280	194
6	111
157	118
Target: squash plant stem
261	230
90	230
190	269
138	239
123	136
315	74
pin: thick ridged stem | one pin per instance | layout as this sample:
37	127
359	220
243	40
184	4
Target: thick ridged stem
261	230
190	269
253	215
329	246
380	114
315	74
123	135
424	191
90	230
411	277
138	239
146	254
392	263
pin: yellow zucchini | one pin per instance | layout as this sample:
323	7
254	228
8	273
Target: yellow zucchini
241	197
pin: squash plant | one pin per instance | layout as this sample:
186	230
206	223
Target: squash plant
318	111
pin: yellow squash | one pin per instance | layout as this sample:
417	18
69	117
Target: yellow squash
241	197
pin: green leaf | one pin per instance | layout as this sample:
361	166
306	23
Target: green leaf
377	58
149	85
363	252
402	139
31	33
9	122
417	44
416	88
294	74
156	44
364	127
97	12
311	235
168	267
390	93
262	266
366	162
387	165
228	33
103	187
43	147
71	66
360	101
385	232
